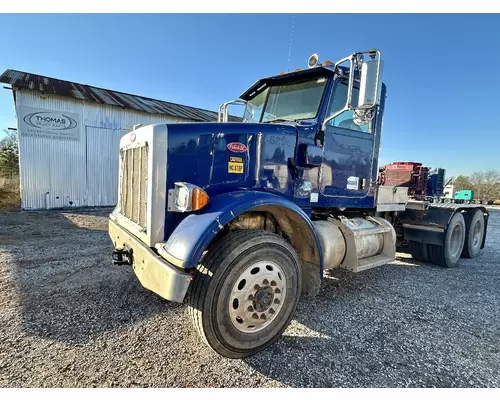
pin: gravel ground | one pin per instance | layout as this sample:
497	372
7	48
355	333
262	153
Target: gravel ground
68	317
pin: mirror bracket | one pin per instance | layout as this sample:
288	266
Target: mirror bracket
370	81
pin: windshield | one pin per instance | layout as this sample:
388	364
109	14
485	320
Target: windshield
254	107
291	101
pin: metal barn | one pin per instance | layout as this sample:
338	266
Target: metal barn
69	137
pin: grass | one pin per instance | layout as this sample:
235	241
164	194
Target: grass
9	193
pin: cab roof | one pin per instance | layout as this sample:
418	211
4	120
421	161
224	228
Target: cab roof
263	83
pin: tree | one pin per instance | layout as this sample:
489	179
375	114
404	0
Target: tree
495	192
462	183
491	179
485	184
477	178
9	155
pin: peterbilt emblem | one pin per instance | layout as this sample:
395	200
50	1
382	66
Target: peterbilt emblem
132	137
237	147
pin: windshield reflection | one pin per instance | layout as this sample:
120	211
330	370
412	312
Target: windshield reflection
287	102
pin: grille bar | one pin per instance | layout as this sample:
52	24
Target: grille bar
134	185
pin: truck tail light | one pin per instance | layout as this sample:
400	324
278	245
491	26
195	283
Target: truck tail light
186	197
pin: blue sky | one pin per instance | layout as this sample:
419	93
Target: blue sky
438	111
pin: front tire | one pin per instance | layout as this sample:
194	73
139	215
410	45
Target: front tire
245	292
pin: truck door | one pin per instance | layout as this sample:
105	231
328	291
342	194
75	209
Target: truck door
348	149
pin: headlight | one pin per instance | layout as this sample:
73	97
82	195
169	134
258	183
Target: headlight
186	197
181	197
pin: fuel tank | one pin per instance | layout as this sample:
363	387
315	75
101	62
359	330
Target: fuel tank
356	243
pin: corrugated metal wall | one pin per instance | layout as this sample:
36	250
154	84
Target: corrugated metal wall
61	173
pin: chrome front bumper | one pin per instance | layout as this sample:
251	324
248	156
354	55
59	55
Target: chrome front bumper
154	273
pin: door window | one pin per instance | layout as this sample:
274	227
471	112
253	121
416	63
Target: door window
346	119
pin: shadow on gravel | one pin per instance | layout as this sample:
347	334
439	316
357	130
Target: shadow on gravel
408	324
63	280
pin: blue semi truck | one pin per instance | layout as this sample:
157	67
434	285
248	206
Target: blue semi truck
241	219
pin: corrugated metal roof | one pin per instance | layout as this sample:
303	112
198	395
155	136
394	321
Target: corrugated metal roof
25	80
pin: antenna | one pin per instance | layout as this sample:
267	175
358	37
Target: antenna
290	49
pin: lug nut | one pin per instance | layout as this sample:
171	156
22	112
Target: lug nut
256	287
255	316
265	282
263	316
276	301
277	290
273	283
250	308
271	311
250	297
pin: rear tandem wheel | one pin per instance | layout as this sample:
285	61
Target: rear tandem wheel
475	227
449	254
419	251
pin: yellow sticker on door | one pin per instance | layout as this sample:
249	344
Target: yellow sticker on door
235	168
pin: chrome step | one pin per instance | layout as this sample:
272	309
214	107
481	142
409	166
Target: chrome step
372	262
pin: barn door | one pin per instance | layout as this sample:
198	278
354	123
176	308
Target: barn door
102	155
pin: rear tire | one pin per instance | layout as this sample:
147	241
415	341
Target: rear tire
424	251
414	250
419	251
474	234
449	254
245	293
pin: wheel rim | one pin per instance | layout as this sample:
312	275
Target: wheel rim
477	233
456	240
257	296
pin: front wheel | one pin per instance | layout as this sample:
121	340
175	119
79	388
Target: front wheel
245	292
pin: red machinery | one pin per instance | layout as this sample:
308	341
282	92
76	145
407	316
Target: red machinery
409	174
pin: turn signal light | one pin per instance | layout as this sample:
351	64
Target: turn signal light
186	197
199	199
327	63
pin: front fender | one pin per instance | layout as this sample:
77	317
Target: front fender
193	235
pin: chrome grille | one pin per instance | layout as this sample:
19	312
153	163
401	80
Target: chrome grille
134	184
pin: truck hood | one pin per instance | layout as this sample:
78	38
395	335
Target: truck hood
219	157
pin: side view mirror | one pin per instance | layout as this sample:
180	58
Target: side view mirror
369	76
370	85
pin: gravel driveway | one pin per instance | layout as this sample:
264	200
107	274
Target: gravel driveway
68	317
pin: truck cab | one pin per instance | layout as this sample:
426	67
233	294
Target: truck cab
240	219
334	154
